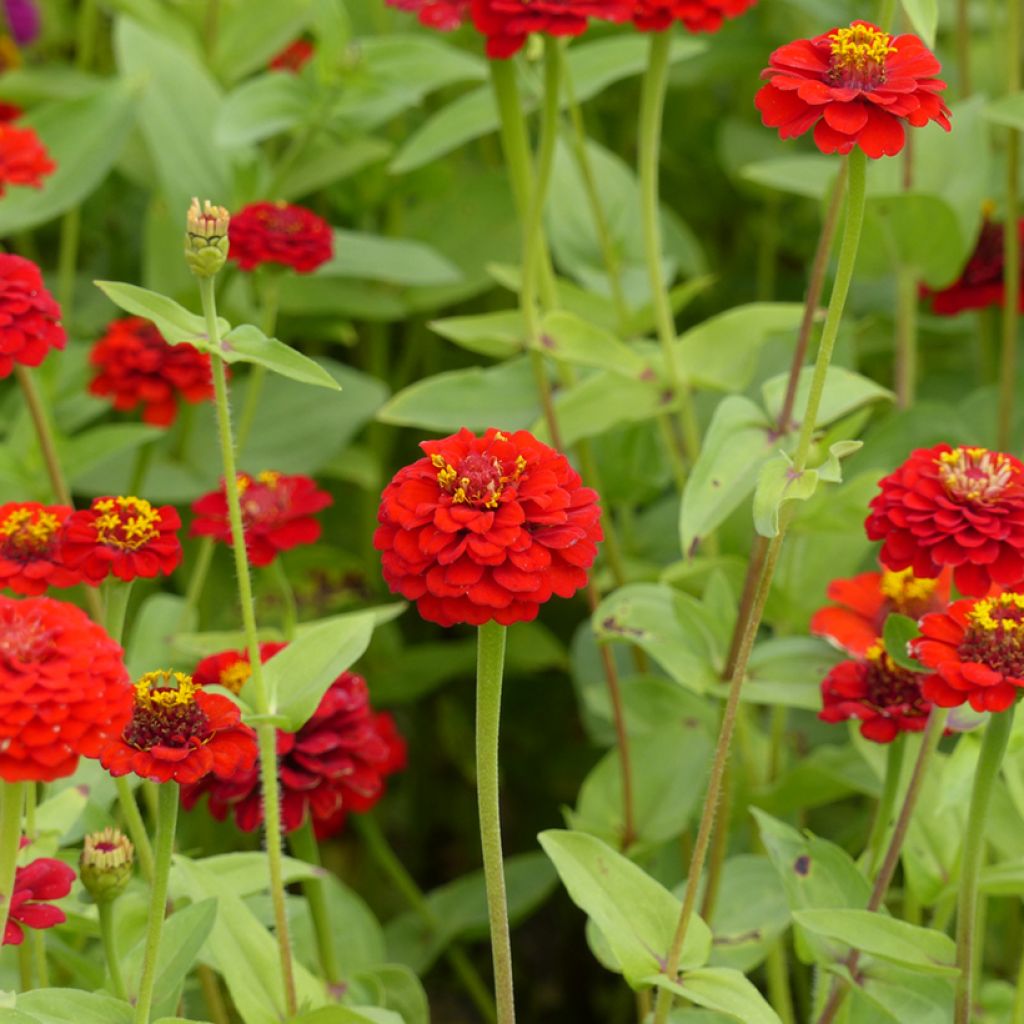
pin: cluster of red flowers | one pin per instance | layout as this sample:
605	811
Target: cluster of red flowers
29	315
23	157
279	234
293	57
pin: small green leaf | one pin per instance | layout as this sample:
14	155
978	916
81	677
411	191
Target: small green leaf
401	262
72	1006
899	630
1007	111
498	335
248	344
174	322
845	392
262	107
348	1015
924	16
724	990
571	339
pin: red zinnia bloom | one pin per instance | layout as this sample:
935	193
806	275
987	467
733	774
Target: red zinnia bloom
507	23
863	603
29	315
9	112
293	57
277	514
179	732
444	15
976	652
23	157
62	687
885	697
334	764
135	366
126	537
34	884
487	528
855	86
31	547
291	236
962	507
696	15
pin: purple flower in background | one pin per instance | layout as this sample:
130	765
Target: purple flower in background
23	19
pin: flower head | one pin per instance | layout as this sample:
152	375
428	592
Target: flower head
696	15
206	238
179	732
62	688
962	507
35	884
29	314
133	365
976	650
507	23
23	158
8	111
293	57
280	233
487	528
277	513
23	17
855	86
106	863
335	763
32	547
443	15
126	537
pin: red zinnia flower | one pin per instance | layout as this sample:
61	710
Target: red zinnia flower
487	528
863	603
855	86
279	233
9	112
179	732
975	649
507	23
34	884
277	514
444	15
29	315
135	366
293	57
23	157
885	697
696	15
962	507
31	547
62	687
334	764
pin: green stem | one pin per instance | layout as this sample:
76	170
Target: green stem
116	595
37	410
109	936
67	261
212	996
489	671
886	803
1018	1001
768	247
304	846
777	972
143	460
290	612
258	374
136	828
196	581
166	822
12	799
906	336
993	746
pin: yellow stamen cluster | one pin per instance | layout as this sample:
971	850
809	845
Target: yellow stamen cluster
448	477
974	474
878	655
29	529
235	676
904	589
126	523
153	690
860	46
987	615
268	477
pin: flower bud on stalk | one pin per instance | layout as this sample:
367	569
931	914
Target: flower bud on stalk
206	238
106	864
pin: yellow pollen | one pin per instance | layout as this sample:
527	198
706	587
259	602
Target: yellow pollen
152	690
235	676
126	522
974	474
982	617
859	46
28	533
269	477
904	588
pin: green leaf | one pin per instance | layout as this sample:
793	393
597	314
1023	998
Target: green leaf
72	1006
261	107
724	990
750	913
601	401
845	392
787	672
399	990
90	448
899	630
498	335
396	261
636	915
348	1015
571	339
174	322
810	176
1007	111
59	814
328	161
924	16
902	995
248	344
154	626
245	43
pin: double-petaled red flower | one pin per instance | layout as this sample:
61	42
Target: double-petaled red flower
507	23
62	687
23	157
277	514
696	15
293	57
178	732
133	365
124	537
962	507
975	649
336	763
32	548
35	885
29	315
854	86
487	528
279	233
443	15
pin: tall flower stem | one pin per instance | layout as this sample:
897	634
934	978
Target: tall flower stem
886	803
12	800
906	336
264	701
290	611
993	746
44	433
196	579
490	668
303	845
844	275
108	935
271	295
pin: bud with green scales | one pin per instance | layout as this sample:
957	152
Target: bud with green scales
106	864
206	238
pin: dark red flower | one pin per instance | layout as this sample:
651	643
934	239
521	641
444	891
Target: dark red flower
886	698
35	884
293	57
443	15
133	365
487	528
277	514
62	688
861	604
335	763
976	651
125	537
962	507
696	15
23	157
855	86
9	112
179	732
291	236
32	547
29	315
507	23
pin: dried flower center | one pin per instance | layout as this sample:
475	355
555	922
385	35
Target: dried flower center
908	594
28	531
974	474
858	56
235	676
107	850
889	685
164	715
478	479
25	639
995	634
126	523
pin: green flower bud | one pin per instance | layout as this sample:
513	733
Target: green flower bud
206	238
106	864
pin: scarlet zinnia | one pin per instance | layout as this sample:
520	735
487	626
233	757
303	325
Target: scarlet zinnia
507	23
31	547
23	158
962	507
855	86
277	514
487	528
443	15
696	15
280	233
133	365
335	763
35	884
976	651
179	732
293	57
62	686
29	315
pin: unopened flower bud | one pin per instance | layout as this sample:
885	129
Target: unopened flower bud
206	238
106	864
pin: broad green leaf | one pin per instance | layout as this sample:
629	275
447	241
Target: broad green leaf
750	913
245	873
248	344
173	321
245	42
72	1006
498	335
397	261
902	995
154	626
603	400
636	915
787	672
328	160
810	176
1007	111
90	448
898	631
348	1015
262	107
399	990
59	814
924	16
845	392
571	339
724	990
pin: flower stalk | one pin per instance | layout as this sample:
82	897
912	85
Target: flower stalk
12	801
886	803
108	935
303	845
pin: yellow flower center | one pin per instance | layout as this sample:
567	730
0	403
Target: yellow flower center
152	690
235	676
1004	613
974	474
478	479
126	523
905	590
29	530
858	56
